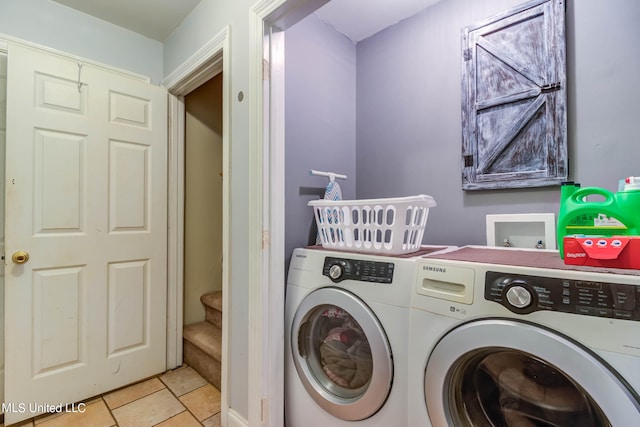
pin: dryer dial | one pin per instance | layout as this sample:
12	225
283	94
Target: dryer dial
519	296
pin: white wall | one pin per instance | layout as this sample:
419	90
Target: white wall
59	27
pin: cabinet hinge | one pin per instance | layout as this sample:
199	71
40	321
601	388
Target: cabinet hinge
468	160
467	54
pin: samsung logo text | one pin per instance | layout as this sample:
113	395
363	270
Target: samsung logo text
434	269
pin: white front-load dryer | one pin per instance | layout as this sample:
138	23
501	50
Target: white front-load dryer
346	331
515	338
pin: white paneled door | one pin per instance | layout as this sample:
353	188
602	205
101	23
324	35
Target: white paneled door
86	199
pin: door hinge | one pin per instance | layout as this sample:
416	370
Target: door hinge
468	160
467	54
550	87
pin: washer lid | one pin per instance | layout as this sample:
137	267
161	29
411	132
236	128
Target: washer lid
509	372
342	356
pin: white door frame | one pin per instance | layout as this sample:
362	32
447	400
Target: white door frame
267	205
3	51
207	62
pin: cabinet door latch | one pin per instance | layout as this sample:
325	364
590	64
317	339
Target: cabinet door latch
550	87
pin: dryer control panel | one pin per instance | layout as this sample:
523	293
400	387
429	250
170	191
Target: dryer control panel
525	294
339	269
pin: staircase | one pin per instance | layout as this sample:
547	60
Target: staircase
203	341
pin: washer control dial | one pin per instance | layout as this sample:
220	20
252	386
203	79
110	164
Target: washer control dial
519	296
336	271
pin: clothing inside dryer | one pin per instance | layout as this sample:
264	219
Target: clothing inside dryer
344	362
508	388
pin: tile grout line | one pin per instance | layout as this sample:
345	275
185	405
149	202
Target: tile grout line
113	417
164	387
100	397
177	397
135	400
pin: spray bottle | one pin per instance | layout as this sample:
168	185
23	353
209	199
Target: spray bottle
617	215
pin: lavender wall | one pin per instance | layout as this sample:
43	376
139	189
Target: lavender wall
320	129
408	111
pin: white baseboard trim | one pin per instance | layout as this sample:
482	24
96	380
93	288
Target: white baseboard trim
236	420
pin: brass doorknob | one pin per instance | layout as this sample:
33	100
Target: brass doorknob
20	257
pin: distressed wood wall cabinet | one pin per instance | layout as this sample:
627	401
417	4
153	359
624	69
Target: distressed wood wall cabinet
514	120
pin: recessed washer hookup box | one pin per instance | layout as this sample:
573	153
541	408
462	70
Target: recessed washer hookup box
600	251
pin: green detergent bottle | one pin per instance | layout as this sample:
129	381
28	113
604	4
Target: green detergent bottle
617	215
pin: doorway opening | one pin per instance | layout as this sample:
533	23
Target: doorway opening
206	70
202	315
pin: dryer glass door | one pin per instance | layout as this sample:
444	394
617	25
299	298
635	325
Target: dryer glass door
499	372
342	356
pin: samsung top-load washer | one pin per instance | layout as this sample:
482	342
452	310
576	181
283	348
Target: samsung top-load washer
515	338
346	330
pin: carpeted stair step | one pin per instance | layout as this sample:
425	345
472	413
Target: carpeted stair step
212	302
203	350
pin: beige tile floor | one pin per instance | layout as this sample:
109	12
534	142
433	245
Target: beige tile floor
178	398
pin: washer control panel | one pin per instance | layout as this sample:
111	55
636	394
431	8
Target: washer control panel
525	294
339	269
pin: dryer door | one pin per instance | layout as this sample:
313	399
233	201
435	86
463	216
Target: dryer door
342	356
499	372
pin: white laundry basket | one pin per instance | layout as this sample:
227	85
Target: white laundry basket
385	226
